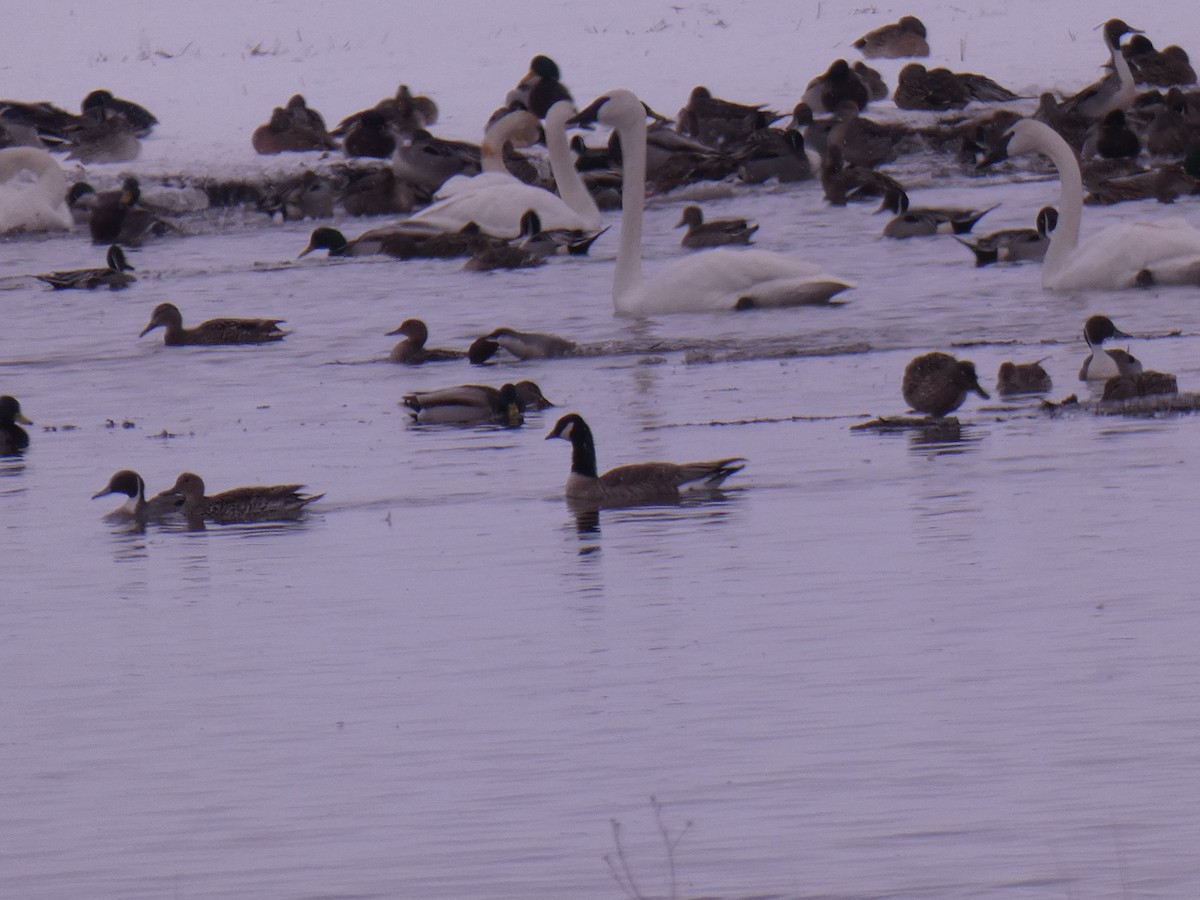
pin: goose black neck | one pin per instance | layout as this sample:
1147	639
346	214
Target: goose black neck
583	450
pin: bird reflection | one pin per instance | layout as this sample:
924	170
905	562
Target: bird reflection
943	437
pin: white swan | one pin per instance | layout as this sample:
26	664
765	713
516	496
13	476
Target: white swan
33	191
715	280
1131	254
496	200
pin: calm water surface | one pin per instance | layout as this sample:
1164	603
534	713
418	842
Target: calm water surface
879	667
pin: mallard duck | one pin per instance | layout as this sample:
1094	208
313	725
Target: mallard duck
412	350
1139	384
140	119
1102	362
1022	378
470	403
287	133
937	383
137	508
13	438
721	123
898	39
405	241
262	503
1112	138
117	217
716	233
918	221
540	88
637	483
114	276
474	404
1015	244
1162	68
524	344
214	331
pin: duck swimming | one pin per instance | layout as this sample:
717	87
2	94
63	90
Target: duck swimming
919	221
1103	362
137	508
13	438
266	503
715	233
636	483
412	350
1015	244
937	383
214	331
476	404
114	276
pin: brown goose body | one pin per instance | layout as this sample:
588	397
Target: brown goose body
214	331
260	503
937	383
637	483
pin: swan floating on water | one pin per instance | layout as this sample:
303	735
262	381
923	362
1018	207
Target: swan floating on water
1131	254
716	280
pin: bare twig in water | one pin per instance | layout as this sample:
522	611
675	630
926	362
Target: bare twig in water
622	875
670	844
619	867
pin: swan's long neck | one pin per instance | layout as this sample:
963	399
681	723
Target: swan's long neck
566	177
1065	237
512	127
628	275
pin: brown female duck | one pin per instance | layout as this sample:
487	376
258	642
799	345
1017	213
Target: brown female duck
716	233
214	331
260	503
937	383
412	350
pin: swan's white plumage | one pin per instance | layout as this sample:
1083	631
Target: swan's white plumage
495	200
714	280
1121	256
33	191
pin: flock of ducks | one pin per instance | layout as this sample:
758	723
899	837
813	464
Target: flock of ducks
492	205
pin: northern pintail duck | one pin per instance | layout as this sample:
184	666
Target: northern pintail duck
937	383
305	195
918	221
137	508
636	483
523	345
114	276
260	503
1116	90
476	404
412	350
1161	68
101	102
715	233
1102	362
554	241
896	40
288	133
1022	378
410	240
1139	384
1015	244
839	84
721	123
214	331
13	438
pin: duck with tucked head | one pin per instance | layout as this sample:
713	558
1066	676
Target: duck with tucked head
412	350
521	344
1022	378
937	384
896	40
13	438
636	483
114	276
260	503
215	331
